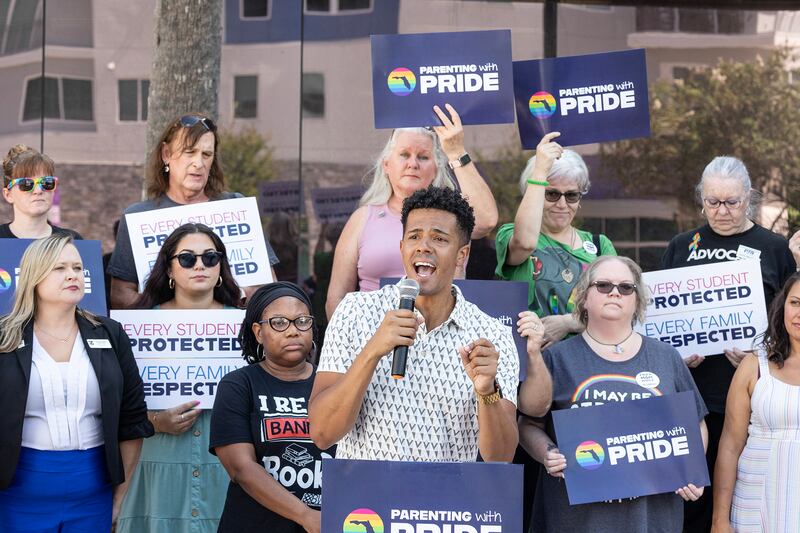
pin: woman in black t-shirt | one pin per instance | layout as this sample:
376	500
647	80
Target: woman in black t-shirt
727	199
259	425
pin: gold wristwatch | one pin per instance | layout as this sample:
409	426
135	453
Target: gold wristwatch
489	399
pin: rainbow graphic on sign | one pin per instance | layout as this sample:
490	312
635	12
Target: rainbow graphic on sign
363	521
609	377
590	455
542	104
401	81
5	280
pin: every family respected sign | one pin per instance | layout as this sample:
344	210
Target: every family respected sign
634	448
469	70
183	354
421	497
589	98
706	309
94	298
235	221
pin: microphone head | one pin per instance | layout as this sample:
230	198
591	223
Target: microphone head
409	288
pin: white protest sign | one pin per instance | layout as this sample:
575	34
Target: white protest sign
236	221
706	309
183	354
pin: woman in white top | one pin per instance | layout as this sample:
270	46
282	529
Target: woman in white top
73	404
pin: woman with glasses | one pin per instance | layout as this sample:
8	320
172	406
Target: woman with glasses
183	168
413	159
29	186
599	366
542	247
259	425
728	203
179	487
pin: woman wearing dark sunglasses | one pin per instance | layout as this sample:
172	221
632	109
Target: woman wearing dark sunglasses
542	247
182	169
608	362
29	186
259	424
180	487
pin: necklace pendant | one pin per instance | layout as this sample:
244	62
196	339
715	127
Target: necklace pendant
618	349
567	275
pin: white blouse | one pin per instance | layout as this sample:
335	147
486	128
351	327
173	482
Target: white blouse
63	410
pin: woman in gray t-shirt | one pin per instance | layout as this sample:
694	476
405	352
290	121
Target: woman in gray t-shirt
601	365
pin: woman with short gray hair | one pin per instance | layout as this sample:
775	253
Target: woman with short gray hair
728	203
542	247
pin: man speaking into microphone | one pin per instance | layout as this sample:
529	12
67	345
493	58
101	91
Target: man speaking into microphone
458	393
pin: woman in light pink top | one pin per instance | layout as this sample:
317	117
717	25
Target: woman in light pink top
413	159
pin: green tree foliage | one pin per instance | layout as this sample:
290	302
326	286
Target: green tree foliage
246	160
502	170
747	110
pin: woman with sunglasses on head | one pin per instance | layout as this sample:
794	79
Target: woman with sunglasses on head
29	185
180	487
728	204
596	367
74	413
259	425
183	168
542	247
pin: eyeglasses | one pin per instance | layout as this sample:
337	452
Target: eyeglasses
45	183
281	323
605	287
554	195
187	121
188	259
713	203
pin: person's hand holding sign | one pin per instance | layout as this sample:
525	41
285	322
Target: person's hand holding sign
694	360
794	246
176	420
554	461
735	356
547	151
451	132
690	493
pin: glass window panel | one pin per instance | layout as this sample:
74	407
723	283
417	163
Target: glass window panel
313	95
245	96
680	73
593	225
77	99
318	5
730	21
128	100
144	94
655	19
696	20
32	109
621	229
650	257
627	252
21	27
345	5
255	8
657	229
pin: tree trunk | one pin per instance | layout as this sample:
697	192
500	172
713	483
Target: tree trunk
186	62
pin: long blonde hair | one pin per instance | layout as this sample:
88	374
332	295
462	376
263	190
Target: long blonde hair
37	262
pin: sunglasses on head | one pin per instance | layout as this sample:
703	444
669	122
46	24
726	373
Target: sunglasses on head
554	195
187	121
188	259
605	287
281	323
45	183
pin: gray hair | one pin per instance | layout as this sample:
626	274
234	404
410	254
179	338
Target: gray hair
380	190
733	169
585	282
570	166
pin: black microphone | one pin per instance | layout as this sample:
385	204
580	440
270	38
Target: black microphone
409	289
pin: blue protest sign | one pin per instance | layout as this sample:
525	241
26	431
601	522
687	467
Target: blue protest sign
333	204
94	298
470	70
590	98
628	449
503	300
405	497
279	197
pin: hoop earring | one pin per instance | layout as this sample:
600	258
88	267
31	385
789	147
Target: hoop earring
260	353
219	282
171	284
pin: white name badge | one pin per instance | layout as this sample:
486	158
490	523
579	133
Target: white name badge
21	345
98	343
745	252
590	247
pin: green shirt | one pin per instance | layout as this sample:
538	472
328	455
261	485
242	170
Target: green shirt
552	271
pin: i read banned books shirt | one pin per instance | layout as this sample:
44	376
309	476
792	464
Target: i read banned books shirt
704	246
254	407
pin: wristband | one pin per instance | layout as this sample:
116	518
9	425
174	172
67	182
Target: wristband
542	183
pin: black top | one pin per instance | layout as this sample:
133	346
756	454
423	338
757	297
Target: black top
703	246
5	232
124	412
254	407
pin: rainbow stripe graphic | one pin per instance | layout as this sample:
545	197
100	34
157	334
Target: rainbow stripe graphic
401	81
695	241
5	280
590	455
357	521
609	377
542	104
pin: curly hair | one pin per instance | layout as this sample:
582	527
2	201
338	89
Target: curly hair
776	338
442	199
